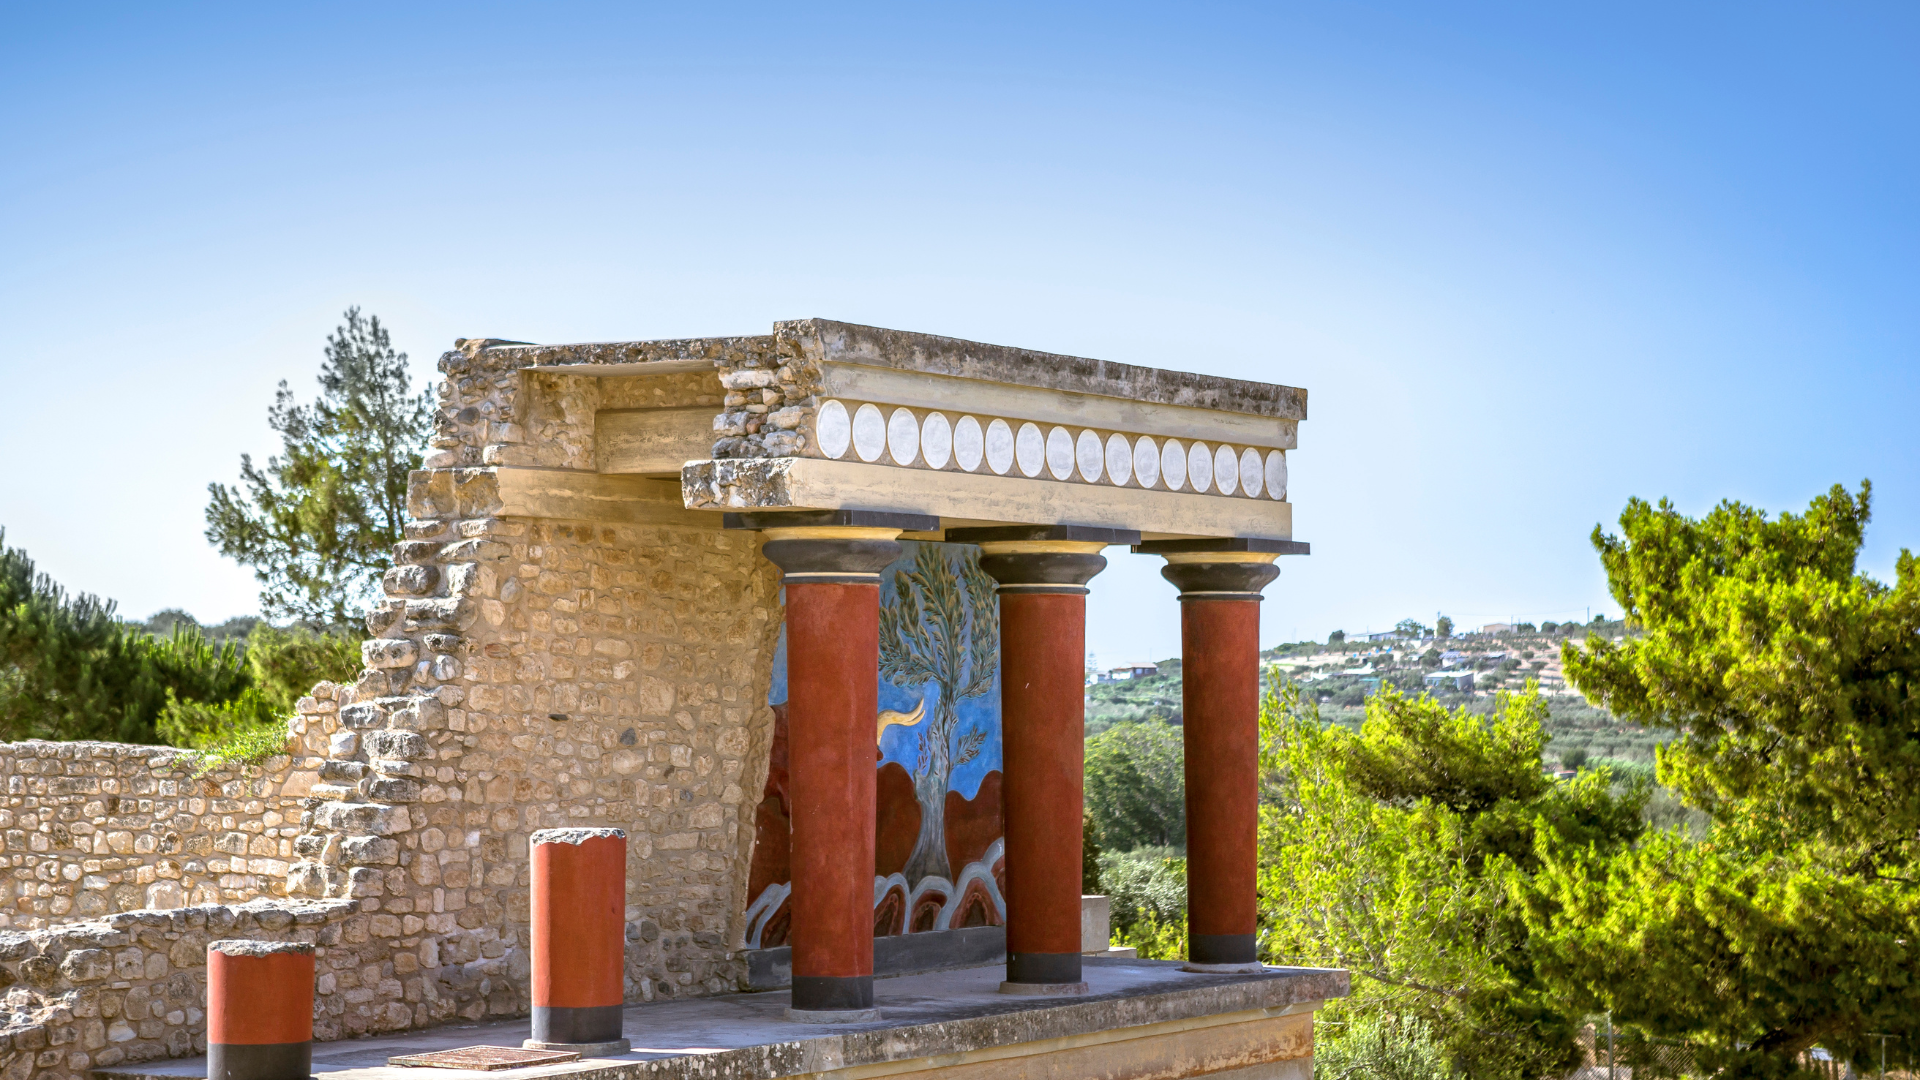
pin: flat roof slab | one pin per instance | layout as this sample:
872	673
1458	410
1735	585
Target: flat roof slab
929	1022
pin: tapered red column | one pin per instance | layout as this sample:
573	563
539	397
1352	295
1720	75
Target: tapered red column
1043	573
1220	722
832	578
578	923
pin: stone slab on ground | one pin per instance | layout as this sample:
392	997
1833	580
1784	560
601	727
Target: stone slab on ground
1142	1017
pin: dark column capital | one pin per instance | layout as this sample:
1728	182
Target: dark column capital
1043	558
805	557
1226	568
1220	580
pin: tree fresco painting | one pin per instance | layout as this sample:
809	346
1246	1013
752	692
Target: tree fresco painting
938	852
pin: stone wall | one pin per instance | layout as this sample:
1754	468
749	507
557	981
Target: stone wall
133	986
531	672
91	828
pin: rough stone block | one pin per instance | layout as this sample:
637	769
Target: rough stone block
388	652
369	851
87	965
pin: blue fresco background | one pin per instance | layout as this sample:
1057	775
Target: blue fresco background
902	744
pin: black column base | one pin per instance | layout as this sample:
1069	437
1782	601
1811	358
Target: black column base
1222	949
1043	967
831	993
576	1024
259	1061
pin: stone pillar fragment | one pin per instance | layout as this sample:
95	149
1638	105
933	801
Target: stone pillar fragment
259	1010
578	926
1043	573
1220	583
831	563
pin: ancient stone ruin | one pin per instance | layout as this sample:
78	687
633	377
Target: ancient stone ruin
637	581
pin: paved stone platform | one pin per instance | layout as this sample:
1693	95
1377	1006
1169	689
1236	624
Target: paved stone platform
1142	1018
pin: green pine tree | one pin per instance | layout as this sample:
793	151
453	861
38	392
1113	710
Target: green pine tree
1792	682
318	524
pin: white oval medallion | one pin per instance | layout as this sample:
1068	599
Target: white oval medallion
1119	459
1030	449
1146	462
1252	473
1226	470
1200	467
1060	453
1089	457
903	436
869	432
936	440
1000	442
1173	465
969	444
834	430
1277	475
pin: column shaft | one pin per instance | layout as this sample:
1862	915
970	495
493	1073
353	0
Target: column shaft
1042	718
1220	699
259	1010
833	680
578	925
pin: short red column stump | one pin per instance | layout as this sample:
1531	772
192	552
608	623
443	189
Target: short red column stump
578	925
259	1010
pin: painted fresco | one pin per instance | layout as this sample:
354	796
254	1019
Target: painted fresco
938	844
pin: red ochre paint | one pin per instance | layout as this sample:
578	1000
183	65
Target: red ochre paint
259	1000
833	694
1042	722
1220	704
579	922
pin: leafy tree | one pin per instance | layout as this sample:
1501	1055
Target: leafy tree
318	524
1136	786
1410	628
1443	627
1338	637
1790	681
1389	852
1147	894
1376	1046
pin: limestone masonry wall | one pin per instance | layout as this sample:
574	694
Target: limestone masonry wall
532	673
91	828
132	987
525	672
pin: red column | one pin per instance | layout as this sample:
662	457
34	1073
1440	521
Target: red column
259	1010
578	927
1220	583
1220	707
832	578
1043	572
833	649
1043	646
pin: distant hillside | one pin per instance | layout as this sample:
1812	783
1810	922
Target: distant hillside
1339	676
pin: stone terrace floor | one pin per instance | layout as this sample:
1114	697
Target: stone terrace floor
938	1018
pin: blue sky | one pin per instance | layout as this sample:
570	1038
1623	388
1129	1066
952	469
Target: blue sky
1529	260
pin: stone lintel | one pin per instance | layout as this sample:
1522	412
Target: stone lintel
1248	544
962	500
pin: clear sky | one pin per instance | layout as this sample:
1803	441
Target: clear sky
1528	259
